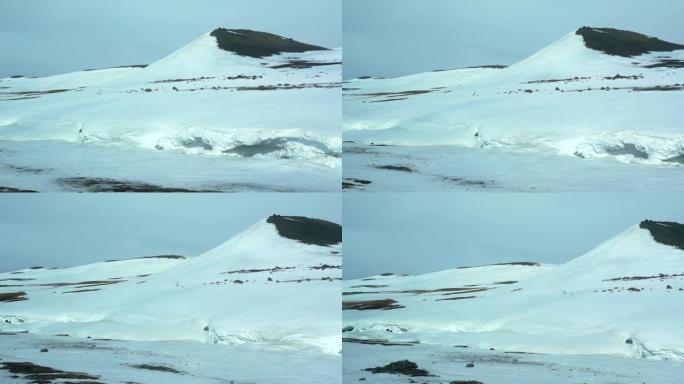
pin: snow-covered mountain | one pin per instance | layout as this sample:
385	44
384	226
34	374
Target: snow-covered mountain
595	92
622	297
232	93
275	285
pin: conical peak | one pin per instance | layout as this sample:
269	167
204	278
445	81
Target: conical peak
623	43
245	42
307	230
665	232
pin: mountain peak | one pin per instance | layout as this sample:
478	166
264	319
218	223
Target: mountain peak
245	42
665	232
623	43
307	230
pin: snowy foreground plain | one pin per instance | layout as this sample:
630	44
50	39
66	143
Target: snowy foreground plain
261	308
569	117
206	117
612	315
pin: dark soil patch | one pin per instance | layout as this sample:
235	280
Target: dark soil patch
349	183
661	88
245	42
306	230
178	257
621	77
369	286
384	342
623	43
469	182
665	232
323	267
667	63
660	276
457	298
188	80
159	368
14	190
506	282
8	297
524	263
274	269
120	66
566	80
24	169
400	168
383	304
39	374
465	382
83	290
302	64
402	367
98	184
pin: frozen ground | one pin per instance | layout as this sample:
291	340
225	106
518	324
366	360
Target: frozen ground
523	126
217	113
592	319
152	362
440	168
90	167
448	365
261	307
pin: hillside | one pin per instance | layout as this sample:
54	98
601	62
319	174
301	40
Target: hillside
593	98
283	115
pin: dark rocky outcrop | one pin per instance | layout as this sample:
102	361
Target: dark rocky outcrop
306	230
245	42
623	43
402	367
665	232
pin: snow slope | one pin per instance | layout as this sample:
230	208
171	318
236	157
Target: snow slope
621	298
567	99
199	100
260	288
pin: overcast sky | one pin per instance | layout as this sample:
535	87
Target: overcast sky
417	233
61	230
44	37
398	37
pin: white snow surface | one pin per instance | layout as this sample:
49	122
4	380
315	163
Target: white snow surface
581	307
258	288
199	100
564	99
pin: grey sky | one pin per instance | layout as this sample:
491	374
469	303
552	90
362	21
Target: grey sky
60	230
418	233
398	37
39	37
